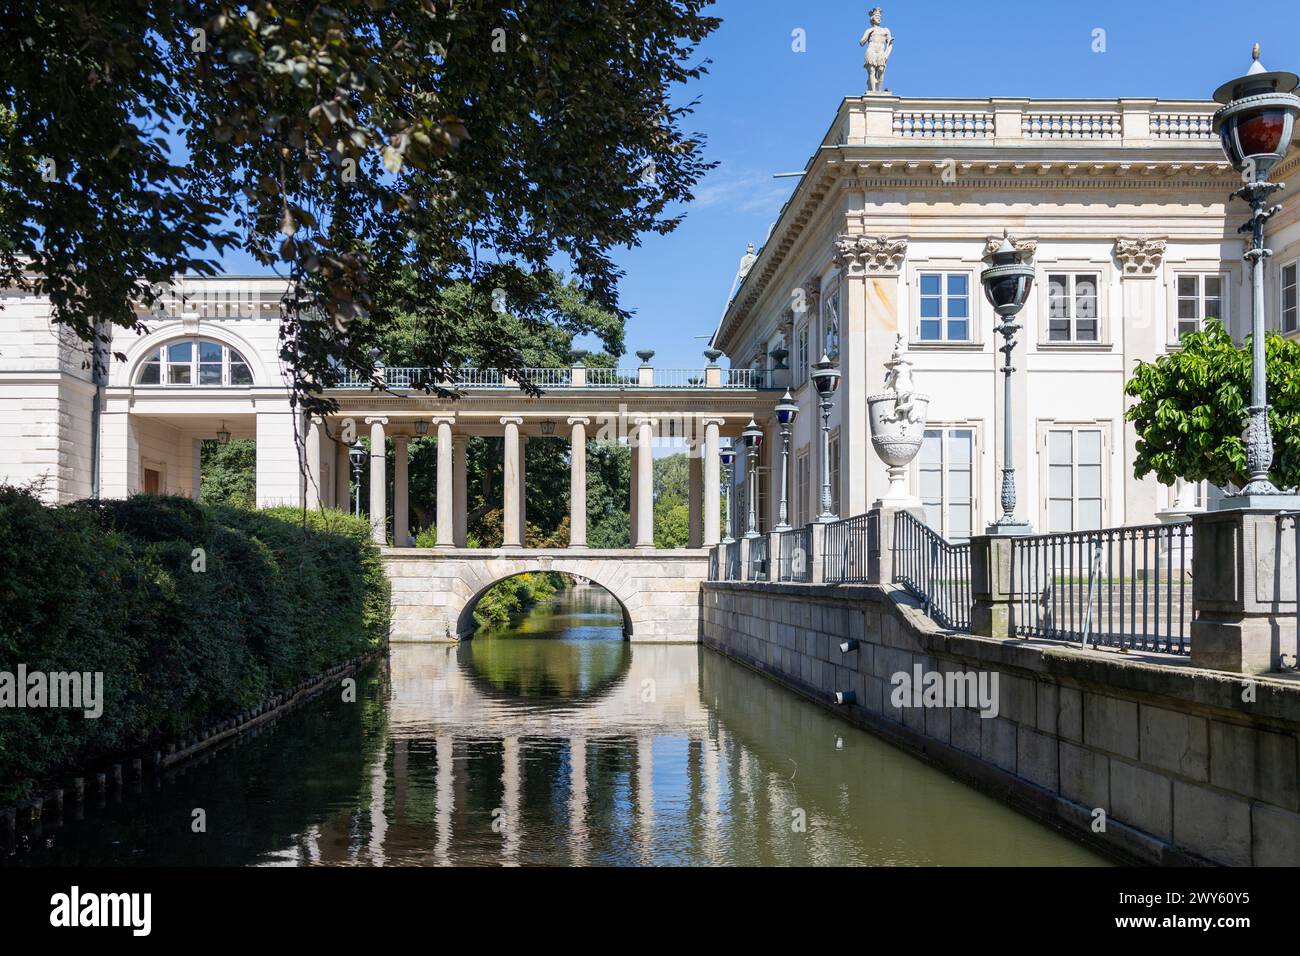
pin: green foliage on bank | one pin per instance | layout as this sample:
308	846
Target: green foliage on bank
514	596
182	637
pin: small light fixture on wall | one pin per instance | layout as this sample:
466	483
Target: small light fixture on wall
548	427
223	436
421	427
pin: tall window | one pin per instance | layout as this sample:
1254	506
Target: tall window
1200	297
1074	479
1072	308
946	466
1289	317
802	362
945	307
803	490
835	472
195	362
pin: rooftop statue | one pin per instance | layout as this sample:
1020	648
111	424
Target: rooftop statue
879	42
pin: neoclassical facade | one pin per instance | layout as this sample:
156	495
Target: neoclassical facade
1123	206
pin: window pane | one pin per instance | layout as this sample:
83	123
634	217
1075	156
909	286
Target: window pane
179	352
930	330
1214	309
1090	447
959	484
1090	481
959	518
1060	515
1213	287
178	374
931	308
209	352
1089	514
961	444
1086	330
240	374
957	308
931	447
1056	296
1058	330
1188	286
1187	309
149	374
1060	481
209	374
931	484
957	330
957	284
1085	297
930	283
1060	447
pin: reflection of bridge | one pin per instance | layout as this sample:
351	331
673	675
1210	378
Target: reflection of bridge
435	590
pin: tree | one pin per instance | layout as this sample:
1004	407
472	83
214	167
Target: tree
1192	406
228	473
366	151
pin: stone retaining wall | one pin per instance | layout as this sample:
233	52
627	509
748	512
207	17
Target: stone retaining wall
1175	764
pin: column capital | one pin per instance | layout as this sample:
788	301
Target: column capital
639	420
579	420
512	420
378	420
1139	257
713	420
869	255
443	419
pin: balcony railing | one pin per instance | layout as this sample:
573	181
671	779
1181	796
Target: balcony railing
396	377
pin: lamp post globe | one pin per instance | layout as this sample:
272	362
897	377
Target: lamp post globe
786	412
728	457
1255	126
357	456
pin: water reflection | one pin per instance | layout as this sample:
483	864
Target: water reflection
558	743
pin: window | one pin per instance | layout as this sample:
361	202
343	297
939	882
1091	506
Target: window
802	362
835	471
946	468
195	362
1200	297
803	490
945	307
1074	479
1072	308
831	323
1289	317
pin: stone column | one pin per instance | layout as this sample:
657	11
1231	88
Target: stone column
632	485
712	509
645	508
523	487
315	436
695	493
510	509
378	481
401	492
869	274
446	516
1244	590
460	502
1144	331
578	482
992	595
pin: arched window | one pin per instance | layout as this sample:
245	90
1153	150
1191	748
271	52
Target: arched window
195	362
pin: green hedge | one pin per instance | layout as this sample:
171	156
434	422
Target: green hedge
109	586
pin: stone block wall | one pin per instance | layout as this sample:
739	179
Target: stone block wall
1152	762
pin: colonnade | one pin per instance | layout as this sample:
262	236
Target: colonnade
705	475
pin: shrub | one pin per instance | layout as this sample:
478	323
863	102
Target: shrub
111	586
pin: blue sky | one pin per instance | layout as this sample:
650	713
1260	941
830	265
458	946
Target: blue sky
764	108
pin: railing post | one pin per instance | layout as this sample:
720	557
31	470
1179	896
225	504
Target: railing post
742	573
881	542
992	592
816	552
578	375
1243	590
773	555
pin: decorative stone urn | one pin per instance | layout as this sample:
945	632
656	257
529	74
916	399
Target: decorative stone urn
898	426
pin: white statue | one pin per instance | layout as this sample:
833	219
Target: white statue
898	379
747	261
898	425
879	42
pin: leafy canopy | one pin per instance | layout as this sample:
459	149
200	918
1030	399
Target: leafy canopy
1192	408
350	147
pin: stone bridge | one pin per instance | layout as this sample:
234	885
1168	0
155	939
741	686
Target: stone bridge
435	589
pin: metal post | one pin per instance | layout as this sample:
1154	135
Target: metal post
727	480
751	483
1259	437
826	514
783	524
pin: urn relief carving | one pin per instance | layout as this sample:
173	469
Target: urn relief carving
898	419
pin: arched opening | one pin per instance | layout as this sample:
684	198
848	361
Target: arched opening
568	643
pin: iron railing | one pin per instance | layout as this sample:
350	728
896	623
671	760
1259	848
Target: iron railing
713	564
792	558
1122	587
732	570
845	558
758	549
934	570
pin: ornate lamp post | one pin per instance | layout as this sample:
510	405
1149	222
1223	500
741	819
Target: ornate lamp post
826	378
1006	284
753	436
1255	127
786	412
728	456
357	455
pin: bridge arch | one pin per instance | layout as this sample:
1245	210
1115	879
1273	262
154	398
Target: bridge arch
434	589
465	619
